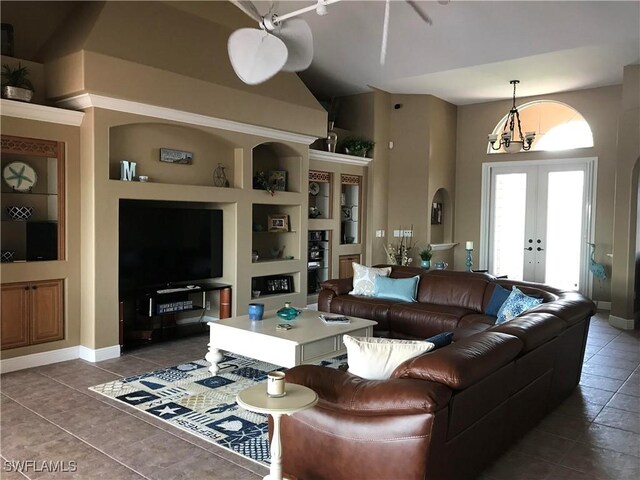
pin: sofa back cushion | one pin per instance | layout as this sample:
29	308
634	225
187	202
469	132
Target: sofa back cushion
459	289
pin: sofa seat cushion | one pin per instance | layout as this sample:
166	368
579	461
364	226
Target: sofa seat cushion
477	318
424	319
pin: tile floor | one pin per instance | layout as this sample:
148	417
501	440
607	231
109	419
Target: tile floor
47	413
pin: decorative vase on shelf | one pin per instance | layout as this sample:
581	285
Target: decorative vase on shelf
332	139
288	312
426	264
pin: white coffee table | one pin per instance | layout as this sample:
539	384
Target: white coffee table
309	341
297	398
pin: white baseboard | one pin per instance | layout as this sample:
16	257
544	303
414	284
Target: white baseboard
61	355
38	359
602	305
623	323
100	354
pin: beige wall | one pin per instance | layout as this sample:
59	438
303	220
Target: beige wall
68	269
600	108
626	189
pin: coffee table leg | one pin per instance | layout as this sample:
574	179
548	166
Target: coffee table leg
275	472
214	356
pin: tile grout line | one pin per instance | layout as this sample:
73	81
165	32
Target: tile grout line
93	447
117	407
20	472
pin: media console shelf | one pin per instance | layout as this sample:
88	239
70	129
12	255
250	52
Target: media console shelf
149	316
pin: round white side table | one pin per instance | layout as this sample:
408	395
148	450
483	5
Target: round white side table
255	399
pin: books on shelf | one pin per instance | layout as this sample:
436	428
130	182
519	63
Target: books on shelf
335	320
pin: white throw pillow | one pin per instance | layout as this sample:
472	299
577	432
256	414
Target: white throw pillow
376	358
363	279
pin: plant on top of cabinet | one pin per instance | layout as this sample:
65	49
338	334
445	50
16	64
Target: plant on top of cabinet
16	84
357	146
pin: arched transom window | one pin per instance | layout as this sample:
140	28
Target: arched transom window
557	125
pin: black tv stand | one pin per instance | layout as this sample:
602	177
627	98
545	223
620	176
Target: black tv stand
151	315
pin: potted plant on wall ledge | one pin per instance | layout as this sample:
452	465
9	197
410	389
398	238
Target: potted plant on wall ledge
16	84
425	256
357	146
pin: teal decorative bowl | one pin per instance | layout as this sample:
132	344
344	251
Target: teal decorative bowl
288	312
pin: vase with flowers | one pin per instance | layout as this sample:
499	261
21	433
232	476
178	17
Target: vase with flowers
400	253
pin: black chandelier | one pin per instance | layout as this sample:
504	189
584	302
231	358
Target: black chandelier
507	138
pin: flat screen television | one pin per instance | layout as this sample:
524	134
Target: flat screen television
163	245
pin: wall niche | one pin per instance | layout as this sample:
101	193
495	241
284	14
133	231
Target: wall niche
141	143
441	217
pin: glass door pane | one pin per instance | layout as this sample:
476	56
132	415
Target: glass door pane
564	222
508	225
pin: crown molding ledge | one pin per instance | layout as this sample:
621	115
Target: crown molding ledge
41	113
89	100
338	158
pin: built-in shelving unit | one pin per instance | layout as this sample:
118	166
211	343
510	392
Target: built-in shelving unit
318	259
350	208
33	214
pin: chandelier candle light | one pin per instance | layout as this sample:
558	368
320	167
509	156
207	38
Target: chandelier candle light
507	138
469	249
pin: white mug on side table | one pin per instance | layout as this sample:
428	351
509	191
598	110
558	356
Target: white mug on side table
295	399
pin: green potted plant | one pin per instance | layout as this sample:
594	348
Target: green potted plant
425	256
357	146
16	84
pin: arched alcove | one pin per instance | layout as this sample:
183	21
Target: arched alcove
277	161
441	217
557	125
141	143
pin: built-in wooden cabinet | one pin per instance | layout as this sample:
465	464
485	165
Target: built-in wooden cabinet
345	265
32	313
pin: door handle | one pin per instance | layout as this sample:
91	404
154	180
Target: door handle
539	249
528	248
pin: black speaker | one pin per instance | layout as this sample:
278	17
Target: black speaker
42	241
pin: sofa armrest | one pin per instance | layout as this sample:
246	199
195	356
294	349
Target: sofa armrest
333	288
464	362
339	286
342	391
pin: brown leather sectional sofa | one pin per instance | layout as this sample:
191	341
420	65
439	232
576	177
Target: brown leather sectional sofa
448	413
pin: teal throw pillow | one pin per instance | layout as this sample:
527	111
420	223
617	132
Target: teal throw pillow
516	304
498	298
403	289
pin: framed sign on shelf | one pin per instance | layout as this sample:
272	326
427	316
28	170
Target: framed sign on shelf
278	223
279	284
278	180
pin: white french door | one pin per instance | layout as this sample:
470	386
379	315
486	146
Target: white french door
536	221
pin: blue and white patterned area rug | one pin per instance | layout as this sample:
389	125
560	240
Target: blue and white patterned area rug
189	397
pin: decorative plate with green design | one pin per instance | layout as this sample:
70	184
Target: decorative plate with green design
20	176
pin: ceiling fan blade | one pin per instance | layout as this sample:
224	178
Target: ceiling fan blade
385	33
296	35
426	18
248	9
256	55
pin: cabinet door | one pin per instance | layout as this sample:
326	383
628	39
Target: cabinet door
47	311
14	323
345	267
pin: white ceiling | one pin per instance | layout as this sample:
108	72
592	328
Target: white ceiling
472	49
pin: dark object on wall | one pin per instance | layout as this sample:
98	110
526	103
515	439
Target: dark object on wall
7	40
436	213
42	241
